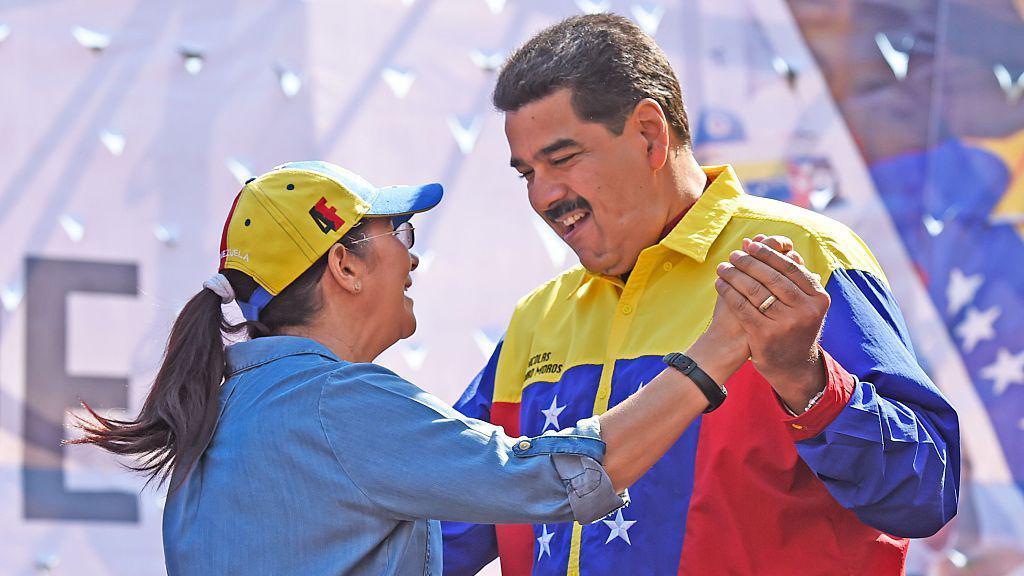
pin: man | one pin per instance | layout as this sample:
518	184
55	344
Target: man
829	452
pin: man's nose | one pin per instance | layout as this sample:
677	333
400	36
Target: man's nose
546	193
414	261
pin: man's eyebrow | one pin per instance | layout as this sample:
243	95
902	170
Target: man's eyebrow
557	145
546	151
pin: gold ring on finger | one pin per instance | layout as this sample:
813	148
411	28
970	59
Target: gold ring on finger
767	304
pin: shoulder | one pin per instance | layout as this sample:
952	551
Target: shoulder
361	377
551	293
367	394
814	235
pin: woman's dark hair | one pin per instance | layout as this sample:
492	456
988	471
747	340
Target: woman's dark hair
607	62
180	414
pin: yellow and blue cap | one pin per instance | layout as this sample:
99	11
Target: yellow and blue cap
283	221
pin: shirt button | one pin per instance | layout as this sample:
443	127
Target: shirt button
797	426
667	266
524	445
627	309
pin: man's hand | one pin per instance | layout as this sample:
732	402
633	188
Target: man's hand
725	329
781	306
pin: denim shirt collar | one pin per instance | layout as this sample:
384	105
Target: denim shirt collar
251	353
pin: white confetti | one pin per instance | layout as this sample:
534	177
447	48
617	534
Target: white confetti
496	6
957	558
414	355
114	141
783	68
72	227
821	198
593	7
90	39
165	234
1012	89
290	82
898	60
933	226
193	65
484	61
465	136
45	563
649	19
238	169
10	297
399	81
193	59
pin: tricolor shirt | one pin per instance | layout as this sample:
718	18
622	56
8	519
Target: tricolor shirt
747	489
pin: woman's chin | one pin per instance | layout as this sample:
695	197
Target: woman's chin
410	327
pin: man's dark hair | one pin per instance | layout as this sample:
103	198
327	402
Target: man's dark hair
607	61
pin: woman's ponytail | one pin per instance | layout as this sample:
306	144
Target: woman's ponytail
180	414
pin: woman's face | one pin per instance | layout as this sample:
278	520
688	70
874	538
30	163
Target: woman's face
389	276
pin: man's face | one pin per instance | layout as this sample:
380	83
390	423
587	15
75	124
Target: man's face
594	188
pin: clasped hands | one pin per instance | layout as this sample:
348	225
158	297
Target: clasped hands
771	309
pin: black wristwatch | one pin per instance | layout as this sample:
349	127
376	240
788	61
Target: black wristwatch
713	391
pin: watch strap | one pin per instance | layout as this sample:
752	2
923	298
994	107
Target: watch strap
713	391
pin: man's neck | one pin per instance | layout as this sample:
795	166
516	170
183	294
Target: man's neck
688	183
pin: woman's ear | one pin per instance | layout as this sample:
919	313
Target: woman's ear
654	128
344	269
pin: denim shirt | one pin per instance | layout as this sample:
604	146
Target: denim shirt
321	466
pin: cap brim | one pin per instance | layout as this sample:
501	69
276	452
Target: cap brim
401	202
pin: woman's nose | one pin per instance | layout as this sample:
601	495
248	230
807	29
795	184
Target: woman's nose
415	261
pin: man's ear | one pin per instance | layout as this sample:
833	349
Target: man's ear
653	126
345	269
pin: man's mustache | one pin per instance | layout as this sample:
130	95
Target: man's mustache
566	206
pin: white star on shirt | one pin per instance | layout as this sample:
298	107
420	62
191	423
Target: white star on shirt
545	542
1007	369
551	414
977	326
641	386
961	289
619	528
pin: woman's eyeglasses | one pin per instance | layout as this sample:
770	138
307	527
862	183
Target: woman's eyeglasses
404	232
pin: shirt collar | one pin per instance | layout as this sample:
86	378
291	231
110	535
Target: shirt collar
700	226
250	353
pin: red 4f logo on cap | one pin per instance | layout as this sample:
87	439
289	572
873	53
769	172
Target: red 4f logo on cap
326	217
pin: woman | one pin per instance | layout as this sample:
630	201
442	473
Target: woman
292	453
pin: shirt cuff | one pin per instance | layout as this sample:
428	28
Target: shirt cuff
584	439
590	490
576	454
838	389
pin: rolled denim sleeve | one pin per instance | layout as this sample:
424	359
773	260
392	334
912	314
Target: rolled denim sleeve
412	456
576	454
